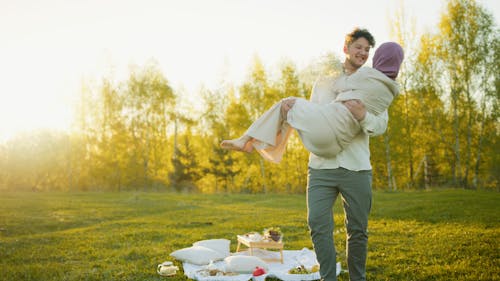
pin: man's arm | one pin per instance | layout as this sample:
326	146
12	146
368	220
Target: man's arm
374	125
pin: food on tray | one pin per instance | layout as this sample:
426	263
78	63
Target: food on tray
215	272
254	236
303	270
273	233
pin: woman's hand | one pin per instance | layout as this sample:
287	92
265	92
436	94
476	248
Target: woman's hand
357	109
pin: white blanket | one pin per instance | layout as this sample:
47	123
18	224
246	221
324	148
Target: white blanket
291	259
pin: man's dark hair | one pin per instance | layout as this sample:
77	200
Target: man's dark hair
358	33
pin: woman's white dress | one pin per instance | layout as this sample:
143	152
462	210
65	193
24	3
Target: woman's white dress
325	129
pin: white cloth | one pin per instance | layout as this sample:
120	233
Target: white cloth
291	259
325	129
271	134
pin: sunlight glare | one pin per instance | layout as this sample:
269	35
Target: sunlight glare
49	47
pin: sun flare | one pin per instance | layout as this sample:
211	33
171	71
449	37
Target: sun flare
48	47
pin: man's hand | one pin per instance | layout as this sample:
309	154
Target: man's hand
357	108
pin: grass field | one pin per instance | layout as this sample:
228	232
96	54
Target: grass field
433	235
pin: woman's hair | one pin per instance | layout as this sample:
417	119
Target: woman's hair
358	33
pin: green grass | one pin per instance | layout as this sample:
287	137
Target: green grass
436	235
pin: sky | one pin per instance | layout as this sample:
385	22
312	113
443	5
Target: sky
47	48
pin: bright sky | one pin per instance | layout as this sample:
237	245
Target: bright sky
48	47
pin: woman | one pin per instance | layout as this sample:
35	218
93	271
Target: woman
325	129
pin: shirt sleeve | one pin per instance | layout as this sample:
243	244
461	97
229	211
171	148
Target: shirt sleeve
374	125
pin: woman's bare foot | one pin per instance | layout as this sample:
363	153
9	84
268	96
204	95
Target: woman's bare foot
241	144
248	146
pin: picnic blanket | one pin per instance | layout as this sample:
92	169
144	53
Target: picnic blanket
291	259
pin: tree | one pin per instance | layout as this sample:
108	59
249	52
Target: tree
256	95
219	167
466	36
120	131
149	103
404	32
36	161
489	106
186	169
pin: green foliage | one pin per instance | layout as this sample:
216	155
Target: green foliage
133	134
185	168
435	235
466	34
36	161
437	126
120	136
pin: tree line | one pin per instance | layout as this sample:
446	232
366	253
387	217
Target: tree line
139	134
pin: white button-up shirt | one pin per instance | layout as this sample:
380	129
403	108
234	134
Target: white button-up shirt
356	156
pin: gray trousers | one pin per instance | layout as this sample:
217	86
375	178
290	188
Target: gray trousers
323	187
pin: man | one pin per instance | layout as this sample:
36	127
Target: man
348	174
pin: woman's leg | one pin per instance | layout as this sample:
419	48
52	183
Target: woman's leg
267	131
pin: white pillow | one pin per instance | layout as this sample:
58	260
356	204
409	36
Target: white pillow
219	245
244	264
198	255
